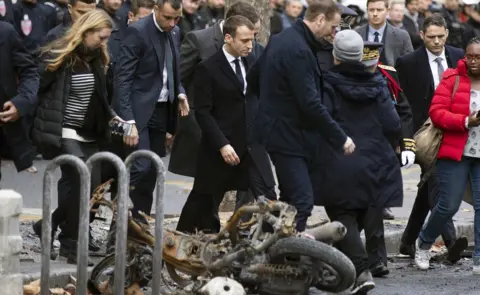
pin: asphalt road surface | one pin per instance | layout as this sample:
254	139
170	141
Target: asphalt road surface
177	190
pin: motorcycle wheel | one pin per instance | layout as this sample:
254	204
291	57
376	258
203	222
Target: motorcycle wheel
335	272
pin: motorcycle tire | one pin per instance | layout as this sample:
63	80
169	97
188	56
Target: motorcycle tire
328	255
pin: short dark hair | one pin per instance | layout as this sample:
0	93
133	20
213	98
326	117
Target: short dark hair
231	25
407	2
137	4
326	7
243	9
435	19
176	4
73	2
373	1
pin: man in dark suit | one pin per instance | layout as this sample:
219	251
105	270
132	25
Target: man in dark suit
396	42
196	47
420	73
227	159
149	55
291	118
19	82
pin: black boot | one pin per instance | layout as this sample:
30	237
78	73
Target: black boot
455	251
379	270
68	249
406	249
37	229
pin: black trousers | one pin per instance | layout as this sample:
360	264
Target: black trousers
67	213
143	174
426	199
15	144
200	211
370	220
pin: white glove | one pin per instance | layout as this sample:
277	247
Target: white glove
408	159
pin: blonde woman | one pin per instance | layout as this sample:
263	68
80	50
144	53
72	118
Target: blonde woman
73	114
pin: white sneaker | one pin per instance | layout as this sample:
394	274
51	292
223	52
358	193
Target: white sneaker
476	270
422	257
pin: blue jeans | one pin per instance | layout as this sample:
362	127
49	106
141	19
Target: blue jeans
453	177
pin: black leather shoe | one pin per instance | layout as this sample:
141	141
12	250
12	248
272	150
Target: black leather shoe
455	251
37	229
379	270
406	249
387	214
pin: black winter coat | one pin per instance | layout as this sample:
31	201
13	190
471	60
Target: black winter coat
361	103
53	93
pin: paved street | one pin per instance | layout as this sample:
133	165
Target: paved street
178	187
404	279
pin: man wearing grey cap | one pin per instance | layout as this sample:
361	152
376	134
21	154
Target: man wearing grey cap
359	100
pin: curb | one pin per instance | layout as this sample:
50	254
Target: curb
393	238
59	277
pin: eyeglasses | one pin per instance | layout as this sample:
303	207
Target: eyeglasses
472	58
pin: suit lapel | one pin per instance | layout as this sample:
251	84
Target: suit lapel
158	43
218	36
227	69
424	64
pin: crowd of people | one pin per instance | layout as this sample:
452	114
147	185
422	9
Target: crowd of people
332	101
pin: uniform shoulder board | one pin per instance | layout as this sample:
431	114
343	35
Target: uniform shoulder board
388	68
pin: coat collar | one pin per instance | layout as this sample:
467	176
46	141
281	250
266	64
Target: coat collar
307	34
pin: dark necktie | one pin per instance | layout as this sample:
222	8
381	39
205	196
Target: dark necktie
376	39
238	73
170	75
440	68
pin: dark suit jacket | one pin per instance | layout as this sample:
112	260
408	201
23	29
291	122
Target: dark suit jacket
291	116
19	82
417	82
225	116
396	43
16	62
139	70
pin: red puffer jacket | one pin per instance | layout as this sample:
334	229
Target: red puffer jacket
449	114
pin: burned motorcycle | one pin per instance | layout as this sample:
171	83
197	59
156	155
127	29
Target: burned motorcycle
265	254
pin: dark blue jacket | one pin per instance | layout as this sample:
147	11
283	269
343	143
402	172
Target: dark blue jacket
360	102
288	81
8	17
43	18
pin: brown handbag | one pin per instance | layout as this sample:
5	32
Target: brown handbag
428	139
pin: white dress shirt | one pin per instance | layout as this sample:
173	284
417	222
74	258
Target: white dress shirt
231	60
434	65
372	30
164	92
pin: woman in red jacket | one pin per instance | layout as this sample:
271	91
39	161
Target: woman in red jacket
454	110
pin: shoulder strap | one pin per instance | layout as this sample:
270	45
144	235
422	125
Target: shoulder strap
457	82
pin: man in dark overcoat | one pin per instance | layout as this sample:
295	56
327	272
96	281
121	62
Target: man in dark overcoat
227	159
19	82
291	118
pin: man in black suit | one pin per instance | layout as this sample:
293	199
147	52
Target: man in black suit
196	47
227	159
17	97
149	55
420	73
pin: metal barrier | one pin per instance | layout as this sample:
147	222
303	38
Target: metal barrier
123	180
82	250
159	212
